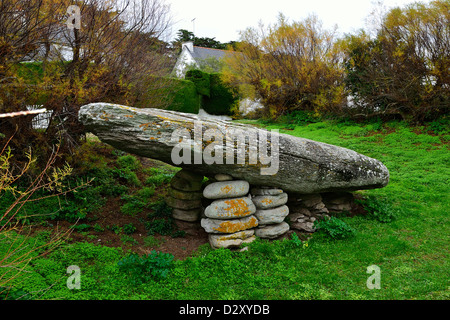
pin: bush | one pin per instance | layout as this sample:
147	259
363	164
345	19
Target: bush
128	161
221	98
155	265
403	70
379	209
201	80
335	228
129	228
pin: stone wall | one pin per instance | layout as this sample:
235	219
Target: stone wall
233	213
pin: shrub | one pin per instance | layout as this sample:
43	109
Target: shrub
335	228
129	228
184	97
201	80
379	209
128	161
155	265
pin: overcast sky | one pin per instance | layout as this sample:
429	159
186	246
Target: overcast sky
225	18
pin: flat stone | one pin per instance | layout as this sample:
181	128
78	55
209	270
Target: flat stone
272	216
303	226
230	208
339	207
223	177
185	195
265	192
272	231
182	184
187	215
268	202
226	189
311	200
183	204
229	226
230	240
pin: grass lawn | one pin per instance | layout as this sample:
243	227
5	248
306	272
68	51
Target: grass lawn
412	251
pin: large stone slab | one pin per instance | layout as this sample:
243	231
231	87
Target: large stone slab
304	166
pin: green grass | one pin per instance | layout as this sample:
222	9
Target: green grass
411	250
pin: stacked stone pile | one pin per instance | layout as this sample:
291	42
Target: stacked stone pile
305	210
185	199
229	219
271	210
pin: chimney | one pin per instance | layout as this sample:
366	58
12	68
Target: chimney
189	45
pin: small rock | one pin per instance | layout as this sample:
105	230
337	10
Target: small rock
268	202
184	180
229	226
339	207
230	240
265	192
310	200
223	177
272	231
183	204
185	195
226	189
230	208
187	215
272	216
318	206
303	226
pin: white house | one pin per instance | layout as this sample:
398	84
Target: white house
192	56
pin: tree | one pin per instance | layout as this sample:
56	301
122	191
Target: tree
403	70
188	36
290	66
115	53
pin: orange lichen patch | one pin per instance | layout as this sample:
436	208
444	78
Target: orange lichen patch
237	207
266	201
226	189
105	116
128	116
144	126
235	226
152	138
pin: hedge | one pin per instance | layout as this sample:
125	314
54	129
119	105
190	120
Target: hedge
221	98
184	97
201	80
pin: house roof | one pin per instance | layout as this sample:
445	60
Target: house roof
204	53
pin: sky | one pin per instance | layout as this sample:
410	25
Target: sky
224	19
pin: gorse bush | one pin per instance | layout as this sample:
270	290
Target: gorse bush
335	228
141	269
